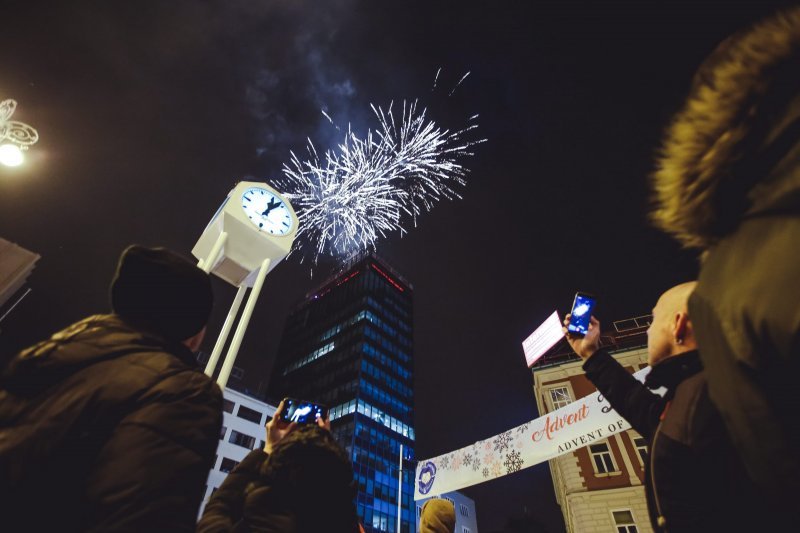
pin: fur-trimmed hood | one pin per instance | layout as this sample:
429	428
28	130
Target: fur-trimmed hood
734	148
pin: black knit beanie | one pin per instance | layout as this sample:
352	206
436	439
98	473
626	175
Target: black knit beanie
159	290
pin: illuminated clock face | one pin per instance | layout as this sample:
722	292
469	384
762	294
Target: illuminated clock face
266	211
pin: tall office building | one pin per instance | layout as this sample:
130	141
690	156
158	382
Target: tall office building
349	345
600	486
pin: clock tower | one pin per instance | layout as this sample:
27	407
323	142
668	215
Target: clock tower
251	232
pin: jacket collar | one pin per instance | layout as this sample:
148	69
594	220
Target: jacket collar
670	372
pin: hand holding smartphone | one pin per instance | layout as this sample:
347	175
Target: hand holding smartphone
290	413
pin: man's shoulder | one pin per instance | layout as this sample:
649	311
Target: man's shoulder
127	360
191	381
690	393
109	338
104	357
690	409
160	375
701	412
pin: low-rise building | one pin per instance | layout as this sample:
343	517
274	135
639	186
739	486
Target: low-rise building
16	264
243	430
599	487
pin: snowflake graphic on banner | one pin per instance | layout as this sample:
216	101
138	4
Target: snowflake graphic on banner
444	462
467	459
502	441
456	462
497	469
523	428
513	462
476	464
485	472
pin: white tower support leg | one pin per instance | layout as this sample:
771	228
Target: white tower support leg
211	260
233	351
226	330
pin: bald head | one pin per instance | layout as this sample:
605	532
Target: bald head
671	332
676	299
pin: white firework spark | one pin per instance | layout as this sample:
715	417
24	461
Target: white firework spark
341	203
459	83
367	187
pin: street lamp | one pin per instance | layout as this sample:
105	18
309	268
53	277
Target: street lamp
11	155
15	136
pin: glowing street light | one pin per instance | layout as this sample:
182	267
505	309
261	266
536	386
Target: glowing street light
11	155
15	136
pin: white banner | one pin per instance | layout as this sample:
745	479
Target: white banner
583	422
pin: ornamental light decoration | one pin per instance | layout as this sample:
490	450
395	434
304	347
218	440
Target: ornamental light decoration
15	136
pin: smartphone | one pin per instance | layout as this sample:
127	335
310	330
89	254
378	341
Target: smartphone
301	411
582	308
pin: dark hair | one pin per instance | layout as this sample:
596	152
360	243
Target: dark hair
312	478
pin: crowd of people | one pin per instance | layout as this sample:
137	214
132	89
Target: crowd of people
110	425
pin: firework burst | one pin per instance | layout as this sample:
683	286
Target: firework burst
368	187
342	203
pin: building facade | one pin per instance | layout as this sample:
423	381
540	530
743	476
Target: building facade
243	430
466	515
599	487
16	264
348	345
236	380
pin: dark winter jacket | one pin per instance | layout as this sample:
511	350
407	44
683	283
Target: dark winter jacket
693	478
746	313
274	494
225	509
746	316
105	428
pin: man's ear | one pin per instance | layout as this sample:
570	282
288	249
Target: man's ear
194	342
681	328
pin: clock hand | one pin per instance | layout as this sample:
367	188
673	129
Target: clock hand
270	206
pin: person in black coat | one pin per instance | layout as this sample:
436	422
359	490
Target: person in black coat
694	479
301	482
110	425
728	185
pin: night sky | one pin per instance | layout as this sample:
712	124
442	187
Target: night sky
149	112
